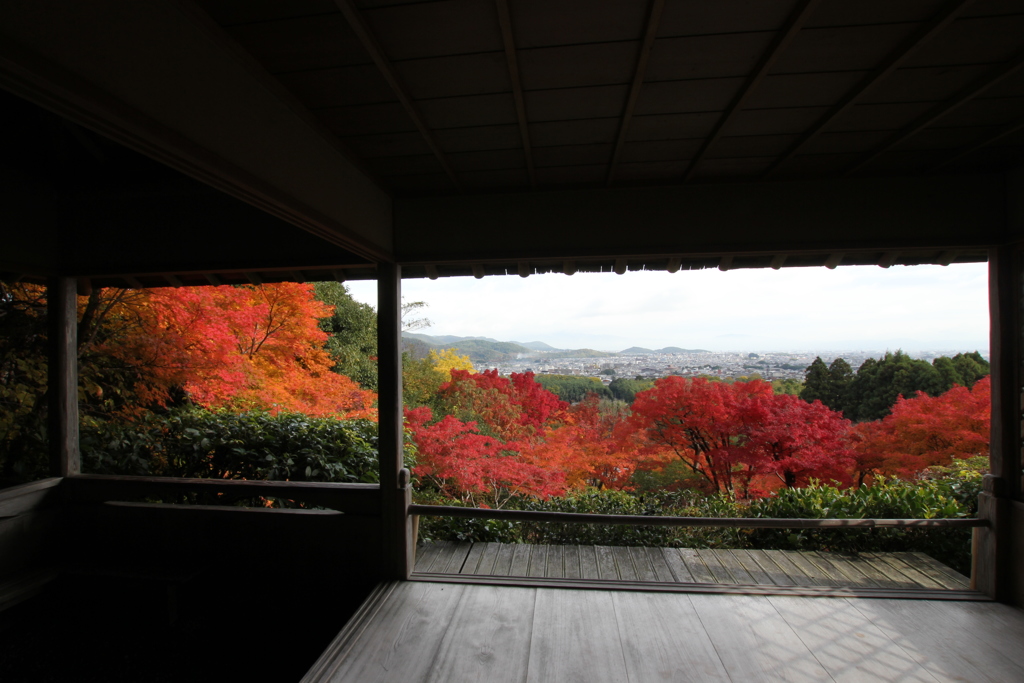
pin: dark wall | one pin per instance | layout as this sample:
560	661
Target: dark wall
321	547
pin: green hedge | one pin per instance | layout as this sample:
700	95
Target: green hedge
593	502
947	494
193	442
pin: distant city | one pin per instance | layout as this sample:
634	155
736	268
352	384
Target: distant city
541	358
773	365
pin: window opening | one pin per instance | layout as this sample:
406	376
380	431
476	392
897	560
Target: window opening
731	335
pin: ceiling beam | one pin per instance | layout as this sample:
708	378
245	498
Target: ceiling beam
888	259
941	109
369	41
785	36
937	23
1008	129
505	20
650	33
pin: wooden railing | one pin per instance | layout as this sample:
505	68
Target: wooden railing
23	498
364	499
652	520
352	499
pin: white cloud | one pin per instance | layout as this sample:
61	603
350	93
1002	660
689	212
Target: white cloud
860	307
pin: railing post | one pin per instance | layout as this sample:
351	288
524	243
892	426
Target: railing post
394	478
993	573
62	376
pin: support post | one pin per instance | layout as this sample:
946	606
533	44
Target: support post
62	376
394	478
1002	485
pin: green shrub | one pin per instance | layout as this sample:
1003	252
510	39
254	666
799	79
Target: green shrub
459	529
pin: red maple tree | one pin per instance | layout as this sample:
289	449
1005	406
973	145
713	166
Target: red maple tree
696	422
501	436
735	436
794	440
462	463
924	431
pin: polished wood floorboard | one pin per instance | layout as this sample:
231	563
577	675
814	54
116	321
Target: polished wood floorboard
420	631
866	571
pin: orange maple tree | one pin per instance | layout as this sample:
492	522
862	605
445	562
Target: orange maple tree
242	347
588	447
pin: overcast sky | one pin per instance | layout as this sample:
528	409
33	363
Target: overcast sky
930	308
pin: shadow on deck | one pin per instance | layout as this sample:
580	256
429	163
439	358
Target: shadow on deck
755	572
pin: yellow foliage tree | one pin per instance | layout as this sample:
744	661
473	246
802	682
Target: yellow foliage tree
447	360
421	379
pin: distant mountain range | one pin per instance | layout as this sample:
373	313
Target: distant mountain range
444	338
488	350
639	350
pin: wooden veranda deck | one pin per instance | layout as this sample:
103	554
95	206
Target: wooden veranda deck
420	631
912	574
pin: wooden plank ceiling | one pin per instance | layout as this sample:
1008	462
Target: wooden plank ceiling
455	96
453	104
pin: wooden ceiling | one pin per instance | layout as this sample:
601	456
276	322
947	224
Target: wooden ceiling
451	96
477	137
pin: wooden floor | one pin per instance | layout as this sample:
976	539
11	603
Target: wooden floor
419	631
749	571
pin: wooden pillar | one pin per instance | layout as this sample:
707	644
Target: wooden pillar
62	377
992	545
394	478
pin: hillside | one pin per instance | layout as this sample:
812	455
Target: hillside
482	351
635	351
479	349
